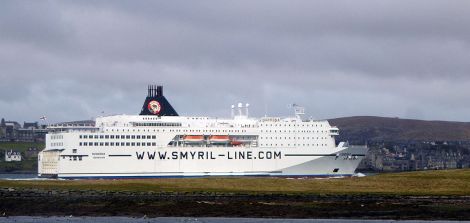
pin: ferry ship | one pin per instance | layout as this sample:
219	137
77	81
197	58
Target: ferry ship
160	143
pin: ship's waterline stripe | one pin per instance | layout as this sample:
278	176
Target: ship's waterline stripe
195	176
73	155
320	155
309	154
159	173
128	155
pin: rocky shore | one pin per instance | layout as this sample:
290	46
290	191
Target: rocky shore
56	202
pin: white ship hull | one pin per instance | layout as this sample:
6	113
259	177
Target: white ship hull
217	161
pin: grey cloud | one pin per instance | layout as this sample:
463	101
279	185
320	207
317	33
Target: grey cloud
74	59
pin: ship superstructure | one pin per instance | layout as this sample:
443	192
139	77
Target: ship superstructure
159	143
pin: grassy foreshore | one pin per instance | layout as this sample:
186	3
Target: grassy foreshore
442	182
415	195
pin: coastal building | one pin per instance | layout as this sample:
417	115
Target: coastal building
12	156
8	130
29	132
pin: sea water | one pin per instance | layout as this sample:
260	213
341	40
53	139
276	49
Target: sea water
18	176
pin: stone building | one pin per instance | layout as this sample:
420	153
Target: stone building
30	132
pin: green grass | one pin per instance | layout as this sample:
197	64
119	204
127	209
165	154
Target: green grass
23	166
21	146
441	182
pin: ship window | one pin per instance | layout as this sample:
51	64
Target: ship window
112	136
138	137
335	170
80	136
111	143
96	136
74	158
74	150
80	143
154	144
101	136
148	137
133	144
138	144
122	144
148	144
133	136
80	158
106	136
128	144
101	144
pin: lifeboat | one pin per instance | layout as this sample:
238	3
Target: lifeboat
193	138
236	143
219	139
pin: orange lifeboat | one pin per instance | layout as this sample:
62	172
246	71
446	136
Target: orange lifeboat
193	138
219	139
236	143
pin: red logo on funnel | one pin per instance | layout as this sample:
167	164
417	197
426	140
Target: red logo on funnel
154	107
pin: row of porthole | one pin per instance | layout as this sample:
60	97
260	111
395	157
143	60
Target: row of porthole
117	136
294	131
293	144
178	130
117	144
289	125
293	138
57	136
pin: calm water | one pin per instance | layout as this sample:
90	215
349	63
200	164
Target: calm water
202	220
18	176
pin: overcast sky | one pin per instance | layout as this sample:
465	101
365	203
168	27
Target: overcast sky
72	60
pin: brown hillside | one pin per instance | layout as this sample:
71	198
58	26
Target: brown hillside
395	129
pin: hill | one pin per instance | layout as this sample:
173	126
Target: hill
371	128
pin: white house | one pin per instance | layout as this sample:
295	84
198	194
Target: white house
12	156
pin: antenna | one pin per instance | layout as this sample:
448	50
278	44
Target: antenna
246	109
265	109
298	110
240	106
233	111
159	90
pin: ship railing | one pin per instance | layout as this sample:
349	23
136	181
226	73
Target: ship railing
67	130
70	125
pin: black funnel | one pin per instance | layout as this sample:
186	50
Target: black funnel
156	103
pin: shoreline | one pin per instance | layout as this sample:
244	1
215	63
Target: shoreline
53	202
426	195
